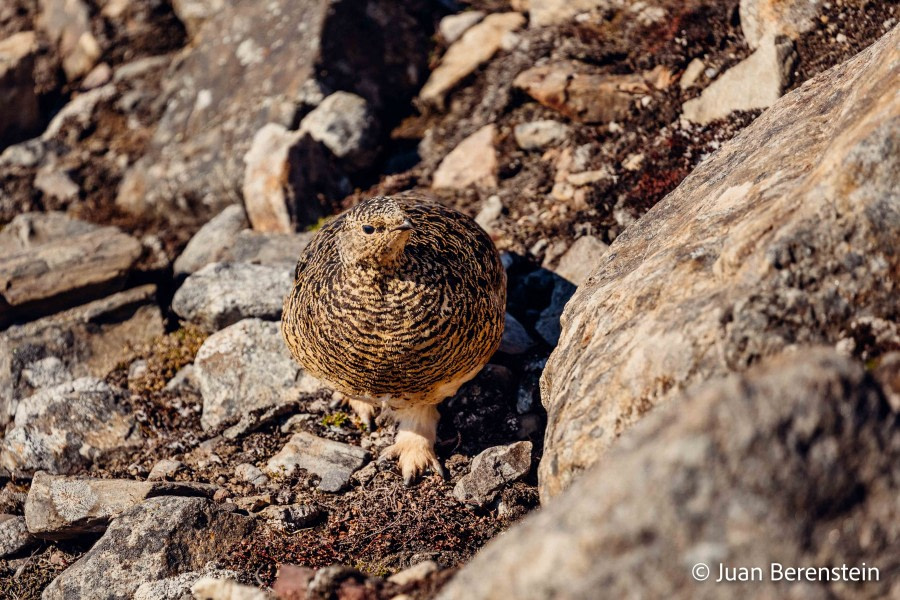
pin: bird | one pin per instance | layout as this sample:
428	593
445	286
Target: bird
396	303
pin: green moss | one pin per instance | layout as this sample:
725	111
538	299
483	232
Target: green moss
318	224
166	355
338	419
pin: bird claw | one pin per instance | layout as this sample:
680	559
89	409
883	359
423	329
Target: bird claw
414	457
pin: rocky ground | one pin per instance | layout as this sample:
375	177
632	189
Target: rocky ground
729	276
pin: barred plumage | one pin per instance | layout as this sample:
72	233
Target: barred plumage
398	302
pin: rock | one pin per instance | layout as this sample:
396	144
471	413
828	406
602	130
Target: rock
179	586
738	262
334	462
19	112
67	24
472	162
542	13
515	339
76	117
490	211
538	135
211	241
99	75
246	367
14	537
55	184
452	27
60	507
582	92
549	325
210	588
194	13
63	428
271	249
761	18
346	125
285	172
87	340
186	534
476	46
581	258
491	470
691	73
292	517
42	273
414	573
248	69
755	82
251	474
165	469
794	462
221	294
185	380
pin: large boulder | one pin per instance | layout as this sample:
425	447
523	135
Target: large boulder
155	540
248	68
787	235
793	463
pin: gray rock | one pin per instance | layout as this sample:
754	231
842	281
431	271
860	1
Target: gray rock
271	249
67	24
14	536
60	507
221	294
346	125
491	209
184	380
548	325
19	113
580	259
414	573
515	339
262	60
89	340
292	517
452	27
538	135
286	174
793	462
334	462
491	470
52	262
165	469
63	428
77	116
251	474
756	82
55	184
155	540
179	586
246	367
210	242
691	73
738	262
761	18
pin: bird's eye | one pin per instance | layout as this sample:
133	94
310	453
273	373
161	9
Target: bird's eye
368	229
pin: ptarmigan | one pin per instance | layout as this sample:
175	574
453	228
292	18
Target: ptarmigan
396	303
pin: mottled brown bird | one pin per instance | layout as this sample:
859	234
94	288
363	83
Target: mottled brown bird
396	303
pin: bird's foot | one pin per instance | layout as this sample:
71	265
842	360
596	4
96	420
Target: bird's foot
413	447
365	412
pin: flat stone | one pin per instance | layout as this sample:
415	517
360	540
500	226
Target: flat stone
789	462
247	367
691	73
538	135
491	470
270	249
14	536
74	119
63	428
155	540
221	294
581	258
515	339
582	92
87	340
42	273
251	474
452	27
755	82
476	46
211	241
472	162
346	125
60	507
19	112
786	235
292	517
791	18
165	469
334	462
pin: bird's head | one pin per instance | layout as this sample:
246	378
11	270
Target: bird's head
374	233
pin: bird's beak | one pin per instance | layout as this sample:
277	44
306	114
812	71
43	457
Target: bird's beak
405	226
